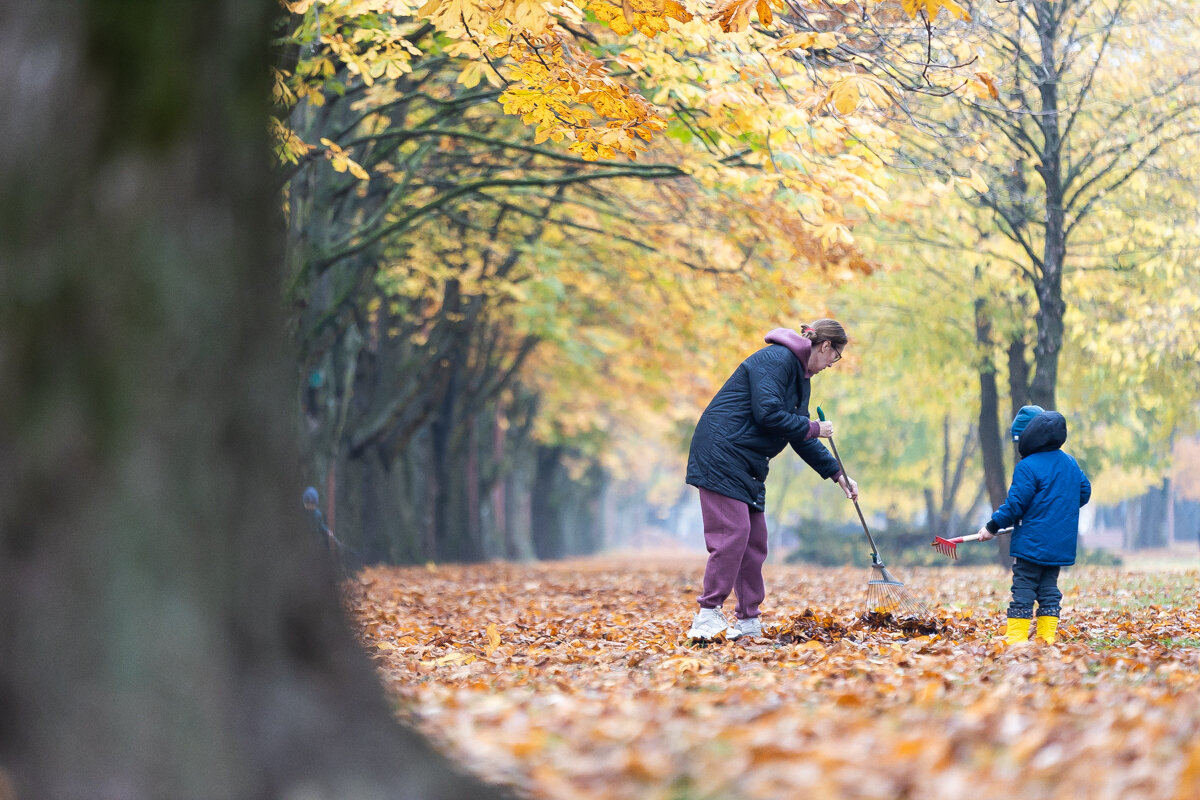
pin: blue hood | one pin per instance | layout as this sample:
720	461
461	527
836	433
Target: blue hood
1022	419
1046	431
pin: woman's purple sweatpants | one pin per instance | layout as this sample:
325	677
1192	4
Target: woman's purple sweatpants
736	537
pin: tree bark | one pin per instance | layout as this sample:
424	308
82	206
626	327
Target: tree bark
990	439
1054	247
168	630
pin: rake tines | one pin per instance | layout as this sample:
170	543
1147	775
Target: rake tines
949	547
945	547
886	595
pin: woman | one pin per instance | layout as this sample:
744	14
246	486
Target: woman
760	409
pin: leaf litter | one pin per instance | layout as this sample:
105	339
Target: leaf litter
574	679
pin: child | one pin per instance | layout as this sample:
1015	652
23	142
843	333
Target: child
1048	489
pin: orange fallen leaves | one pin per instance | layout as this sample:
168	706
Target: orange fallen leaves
574	679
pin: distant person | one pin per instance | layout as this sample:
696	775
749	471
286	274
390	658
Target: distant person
317	524
315	518
1048	489
762	408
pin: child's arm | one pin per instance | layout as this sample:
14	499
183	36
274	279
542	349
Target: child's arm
1085	489
1020	495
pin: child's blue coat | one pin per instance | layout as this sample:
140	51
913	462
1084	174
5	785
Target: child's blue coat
1048	488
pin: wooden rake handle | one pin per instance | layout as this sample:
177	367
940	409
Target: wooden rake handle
974	537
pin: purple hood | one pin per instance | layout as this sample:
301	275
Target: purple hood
801	347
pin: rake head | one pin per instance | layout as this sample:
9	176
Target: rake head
886	595
945	547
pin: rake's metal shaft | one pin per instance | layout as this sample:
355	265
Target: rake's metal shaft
885	594
870	539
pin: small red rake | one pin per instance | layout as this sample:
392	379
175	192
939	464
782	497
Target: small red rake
885	594
949	547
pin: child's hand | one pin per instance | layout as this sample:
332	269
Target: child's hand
985	534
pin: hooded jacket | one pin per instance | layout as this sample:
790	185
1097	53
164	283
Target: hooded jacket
762	408
1048	488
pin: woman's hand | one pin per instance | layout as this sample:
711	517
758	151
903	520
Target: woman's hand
849	486
826	431
985	534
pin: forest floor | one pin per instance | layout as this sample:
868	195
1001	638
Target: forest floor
574	679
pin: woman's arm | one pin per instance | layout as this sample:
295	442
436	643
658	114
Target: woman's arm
769	382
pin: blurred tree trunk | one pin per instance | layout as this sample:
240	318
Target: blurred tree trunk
1018	394
1152	518
991	442
167	628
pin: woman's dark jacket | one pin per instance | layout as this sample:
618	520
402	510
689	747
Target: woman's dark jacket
761	408
1048	489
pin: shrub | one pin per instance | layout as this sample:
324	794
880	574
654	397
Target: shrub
826	545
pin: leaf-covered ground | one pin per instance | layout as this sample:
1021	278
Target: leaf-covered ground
575	680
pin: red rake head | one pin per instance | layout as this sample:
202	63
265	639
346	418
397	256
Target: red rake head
945	547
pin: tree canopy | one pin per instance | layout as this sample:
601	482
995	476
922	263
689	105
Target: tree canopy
571	222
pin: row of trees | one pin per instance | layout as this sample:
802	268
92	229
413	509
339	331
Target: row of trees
495	331
492	328
1062	276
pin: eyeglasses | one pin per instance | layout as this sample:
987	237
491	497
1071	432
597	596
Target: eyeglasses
837	354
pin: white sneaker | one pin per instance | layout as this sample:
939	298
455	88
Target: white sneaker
749	627
709	622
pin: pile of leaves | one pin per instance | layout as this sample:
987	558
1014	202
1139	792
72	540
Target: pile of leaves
808	627
576	679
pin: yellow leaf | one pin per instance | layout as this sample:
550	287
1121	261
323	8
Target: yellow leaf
933	7
455	657
734	15
978	183
470	76
682	664
989	83
843	95
764	12
493	635
356	170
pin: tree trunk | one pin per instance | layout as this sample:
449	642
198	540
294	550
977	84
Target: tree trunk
991	443
167	630
1054	248
1151	529
545	503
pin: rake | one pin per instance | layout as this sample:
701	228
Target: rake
885	594
949	547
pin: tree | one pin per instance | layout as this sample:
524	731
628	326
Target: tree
168	630
424	222
1091	102
1053	218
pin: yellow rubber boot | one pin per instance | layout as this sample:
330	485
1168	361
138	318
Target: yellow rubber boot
1017	631
1047	629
